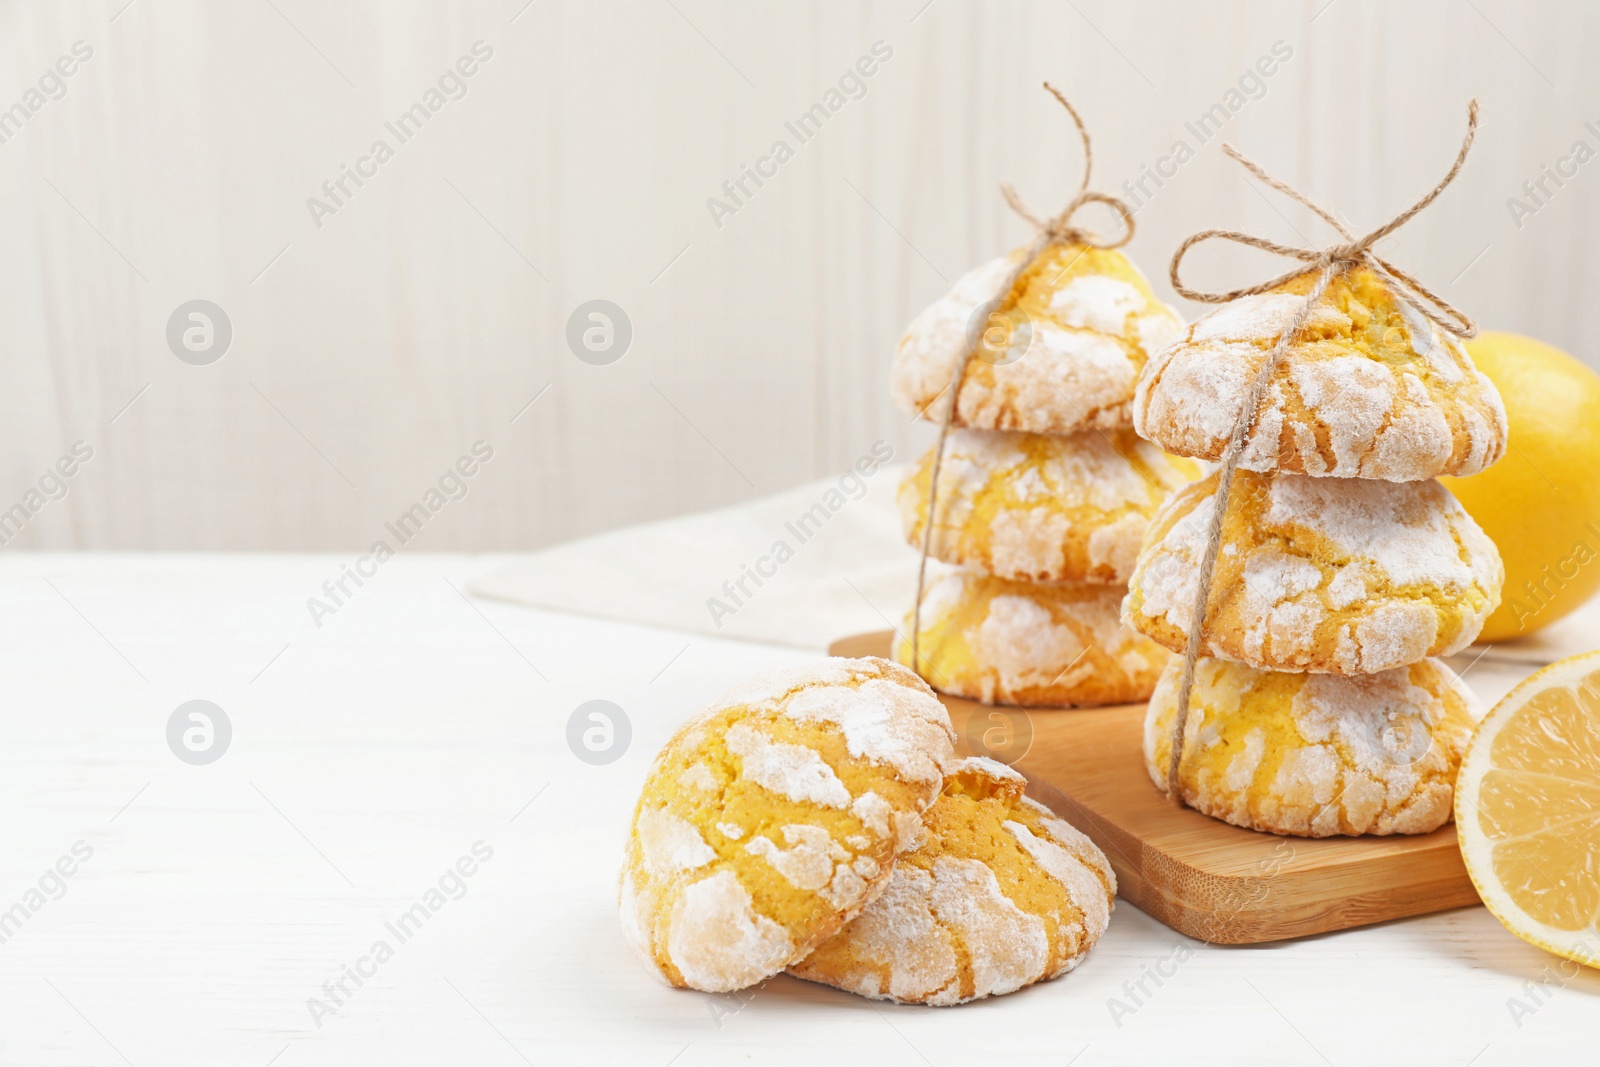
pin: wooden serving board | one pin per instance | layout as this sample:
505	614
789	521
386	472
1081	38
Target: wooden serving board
1200	876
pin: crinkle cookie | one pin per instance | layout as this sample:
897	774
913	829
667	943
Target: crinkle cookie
1030	644
1073	334
1000	895
773	817
1369	389
1316	755
1037	508
1333	575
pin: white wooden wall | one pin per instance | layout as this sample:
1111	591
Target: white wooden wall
372	352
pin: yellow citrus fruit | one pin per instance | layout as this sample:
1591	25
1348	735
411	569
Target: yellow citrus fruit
1528	809
1541	503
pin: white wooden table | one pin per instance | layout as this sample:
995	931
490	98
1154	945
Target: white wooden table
368	757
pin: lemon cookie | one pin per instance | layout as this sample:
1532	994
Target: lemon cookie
1032	644
1031	507
1368	389
1316	755
1001	894
1335	575
1058	353
769	820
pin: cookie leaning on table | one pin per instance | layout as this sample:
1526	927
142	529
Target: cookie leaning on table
1332	575
1316	755
1000	894
1030	644
1042	508
1080	324
769	820
1369	388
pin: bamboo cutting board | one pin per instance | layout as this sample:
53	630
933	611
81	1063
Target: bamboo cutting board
1200	876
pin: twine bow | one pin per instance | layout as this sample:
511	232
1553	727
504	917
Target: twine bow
1327	264
1059	229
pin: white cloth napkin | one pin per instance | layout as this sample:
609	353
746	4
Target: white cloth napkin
850	569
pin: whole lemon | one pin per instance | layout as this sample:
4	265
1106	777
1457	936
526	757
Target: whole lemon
1541	503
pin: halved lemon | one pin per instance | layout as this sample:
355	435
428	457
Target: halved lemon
1528	809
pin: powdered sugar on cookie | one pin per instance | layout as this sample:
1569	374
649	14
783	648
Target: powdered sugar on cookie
1002	894
1083	322
771	819
1031	643
1369	388
1341	576
1373	754
1036	508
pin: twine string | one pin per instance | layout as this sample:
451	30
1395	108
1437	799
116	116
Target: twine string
1058	229
1327	264
1355	251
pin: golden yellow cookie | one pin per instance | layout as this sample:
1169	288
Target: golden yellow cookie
1000	895
1043	508
1059	353
1335	575
1057	644
769	820
1315	755
1369	389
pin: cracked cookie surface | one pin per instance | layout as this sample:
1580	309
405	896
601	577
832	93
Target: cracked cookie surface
770	819
1001	894
1077	328
1316	755
1029	644
1368	389
1341	576
1042	508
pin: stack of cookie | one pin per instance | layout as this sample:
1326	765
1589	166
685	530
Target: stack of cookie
1342	567
1044	490
816	820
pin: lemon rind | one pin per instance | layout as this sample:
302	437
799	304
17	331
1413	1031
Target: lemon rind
1475	846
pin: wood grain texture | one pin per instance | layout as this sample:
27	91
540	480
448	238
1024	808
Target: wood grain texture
371	351
1200	876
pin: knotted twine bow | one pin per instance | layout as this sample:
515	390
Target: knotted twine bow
1328	264
1053	231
